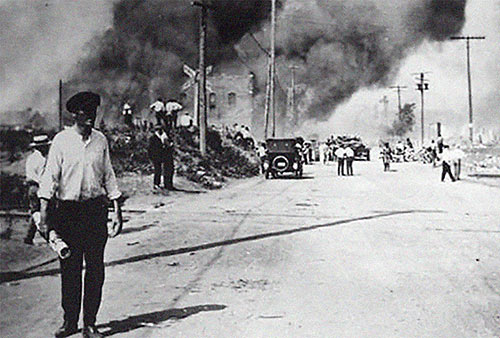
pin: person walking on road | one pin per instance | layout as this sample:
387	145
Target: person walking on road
386	155
446	162
323	153
349	159
340	154
80	175
160	152
35	165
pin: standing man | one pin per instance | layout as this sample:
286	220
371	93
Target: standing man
349	158
458	155
386	155
35	165
323	153
158	108
446	161
127	115
262	153
340	154
79	174
161	154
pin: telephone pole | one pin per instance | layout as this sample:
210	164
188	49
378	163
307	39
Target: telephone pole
60	105
273	63
269	102
421	87
293	113
467	44
202	102
385	102
398	89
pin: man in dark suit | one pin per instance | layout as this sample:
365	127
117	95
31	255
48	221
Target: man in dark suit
161	154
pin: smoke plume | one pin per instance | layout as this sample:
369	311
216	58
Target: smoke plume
142	55
343	46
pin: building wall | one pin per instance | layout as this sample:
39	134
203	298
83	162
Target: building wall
231	100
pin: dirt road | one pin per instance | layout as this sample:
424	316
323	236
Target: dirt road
396	254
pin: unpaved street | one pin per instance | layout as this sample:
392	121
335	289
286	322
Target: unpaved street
396	254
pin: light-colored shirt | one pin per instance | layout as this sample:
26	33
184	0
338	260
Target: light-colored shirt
349	152
447	156
158	106
458	154
127	110
78	170
340	153
185	120
35	165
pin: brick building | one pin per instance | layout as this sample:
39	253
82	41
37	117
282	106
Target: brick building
232	99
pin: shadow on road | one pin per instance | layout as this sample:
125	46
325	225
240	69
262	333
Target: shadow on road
154	318
10	276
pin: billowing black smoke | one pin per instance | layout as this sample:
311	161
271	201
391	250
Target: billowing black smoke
343	46
141	56
340	46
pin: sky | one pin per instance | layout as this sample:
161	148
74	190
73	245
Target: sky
38	50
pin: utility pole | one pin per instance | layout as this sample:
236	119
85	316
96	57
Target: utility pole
60	105
421	87
273	62
385	102
267	100
269	106
467	40
292	98
202	102
398	89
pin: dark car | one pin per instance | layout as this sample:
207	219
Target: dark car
283	156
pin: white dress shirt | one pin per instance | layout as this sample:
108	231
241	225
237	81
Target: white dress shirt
78	170
349	152
35	165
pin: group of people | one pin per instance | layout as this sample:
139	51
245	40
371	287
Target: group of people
441	154
166	112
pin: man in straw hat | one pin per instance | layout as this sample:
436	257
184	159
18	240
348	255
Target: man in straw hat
79	174
35	165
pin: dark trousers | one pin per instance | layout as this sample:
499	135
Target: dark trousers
348	162
166	169
82	225
446	170
340	167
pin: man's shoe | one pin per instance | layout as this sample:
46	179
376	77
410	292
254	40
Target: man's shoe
91	331
66	330
28	241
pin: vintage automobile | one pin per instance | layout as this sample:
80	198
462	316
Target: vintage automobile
283	156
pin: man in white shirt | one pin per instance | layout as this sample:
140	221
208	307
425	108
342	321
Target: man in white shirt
127	115
340	154
349	158
158	108
458	155
35	165
79	174
446	161
323	153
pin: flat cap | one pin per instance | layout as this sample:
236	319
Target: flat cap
83	101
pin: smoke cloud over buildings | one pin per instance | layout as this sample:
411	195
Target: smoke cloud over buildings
340	46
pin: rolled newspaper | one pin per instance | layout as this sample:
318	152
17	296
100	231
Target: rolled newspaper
55	241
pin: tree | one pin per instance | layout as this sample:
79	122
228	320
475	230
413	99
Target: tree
404	122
